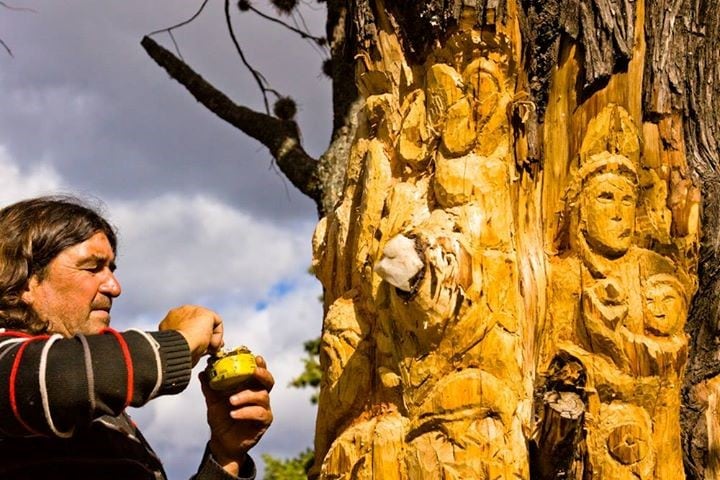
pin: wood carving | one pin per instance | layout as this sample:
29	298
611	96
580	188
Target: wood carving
488	317
510	267
436	372
619	309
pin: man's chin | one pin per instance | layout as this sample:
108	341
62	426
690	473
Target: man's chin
99	319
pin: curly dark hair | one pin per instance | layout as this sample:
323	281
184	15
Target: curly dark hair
32	233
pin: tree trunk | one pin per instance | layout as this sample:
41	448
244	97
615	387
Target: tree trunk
509	268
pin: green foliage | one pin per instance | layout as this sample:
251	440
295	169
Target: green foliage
295	468
311	375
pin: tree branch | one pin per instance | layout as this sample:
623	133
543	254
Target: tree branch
259	78
281	137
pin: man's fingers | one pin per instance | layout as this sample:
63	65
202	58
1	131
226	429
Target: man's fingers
262	374
251	397
260	361
254	413
212	397
217	341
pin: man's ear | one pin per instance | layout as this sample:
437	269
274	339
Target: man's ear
28	295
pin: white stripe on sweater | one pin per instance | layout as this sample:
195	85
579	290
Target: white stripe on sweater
43	388
158	360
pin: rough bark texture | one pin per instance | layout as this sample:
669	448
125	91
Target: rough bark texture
343	43
603	31
687	80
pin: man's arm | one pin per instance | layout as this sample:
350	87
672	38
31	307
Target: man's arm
55	385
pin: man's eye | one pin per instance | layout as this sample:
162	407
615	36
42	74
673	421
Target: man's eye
94	268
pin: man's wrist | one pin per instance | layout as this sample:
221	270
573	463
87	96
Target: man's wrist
175	361
213	468
229	463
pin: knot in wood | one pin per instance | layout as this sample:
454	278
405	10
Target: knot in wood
628	444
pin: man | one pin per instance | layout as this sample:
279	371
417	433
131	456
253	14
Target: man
66	377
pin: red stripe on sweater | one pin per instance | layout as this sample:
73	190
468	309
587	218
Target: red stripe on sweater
128	363
15	334
13	378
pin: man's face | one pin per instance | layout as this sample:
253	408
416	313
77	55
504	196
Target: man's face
76	292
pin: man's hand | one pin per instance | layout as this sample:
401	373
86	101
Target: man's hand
201	327
238	418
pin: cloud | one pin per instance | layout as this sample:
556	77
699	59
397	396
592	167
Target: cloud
40	179
82	94
197	249
176	250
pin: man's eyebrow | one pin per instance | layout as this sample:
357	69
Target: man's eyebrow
96	258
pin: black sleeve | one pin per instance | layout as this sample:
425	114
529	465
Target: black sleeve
54	386
210	469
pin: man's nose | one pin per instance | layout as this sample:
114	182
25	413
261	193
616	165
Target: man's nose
110	285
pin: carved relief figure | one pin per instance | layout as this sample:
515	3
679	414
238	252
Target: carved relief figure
665	305
619	310
446	395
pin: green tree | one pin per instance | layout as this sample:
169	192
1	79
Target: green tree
295	468
311	375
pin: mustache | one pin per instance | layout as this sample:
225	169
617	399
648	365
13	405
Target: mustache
102	303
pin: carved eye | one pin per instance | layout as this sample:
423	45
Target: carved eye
606	197
628	200
668	299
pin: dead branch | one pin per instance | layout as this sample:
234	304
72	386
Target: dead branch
259	78
281	137
5	46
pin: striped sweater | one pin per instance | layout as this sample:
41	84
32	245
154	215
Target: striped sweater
62	403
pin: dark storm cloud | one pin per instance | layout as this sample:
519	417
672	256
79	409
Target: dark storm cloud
82	95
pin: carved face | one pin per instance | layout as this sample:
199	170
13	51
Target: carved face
607	212
664	308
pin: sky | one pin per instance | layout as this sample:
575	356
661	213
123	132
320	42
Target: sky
203	215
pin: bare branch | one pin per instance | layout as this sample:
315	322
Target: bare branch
303	34
17	9
185	22
281	137
7	49
259	79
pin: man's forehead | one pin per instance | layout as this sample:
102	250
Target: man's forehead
96	247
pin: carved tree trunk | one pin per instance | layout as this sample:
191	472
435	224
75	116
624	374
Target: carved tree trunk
522	262
509	269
